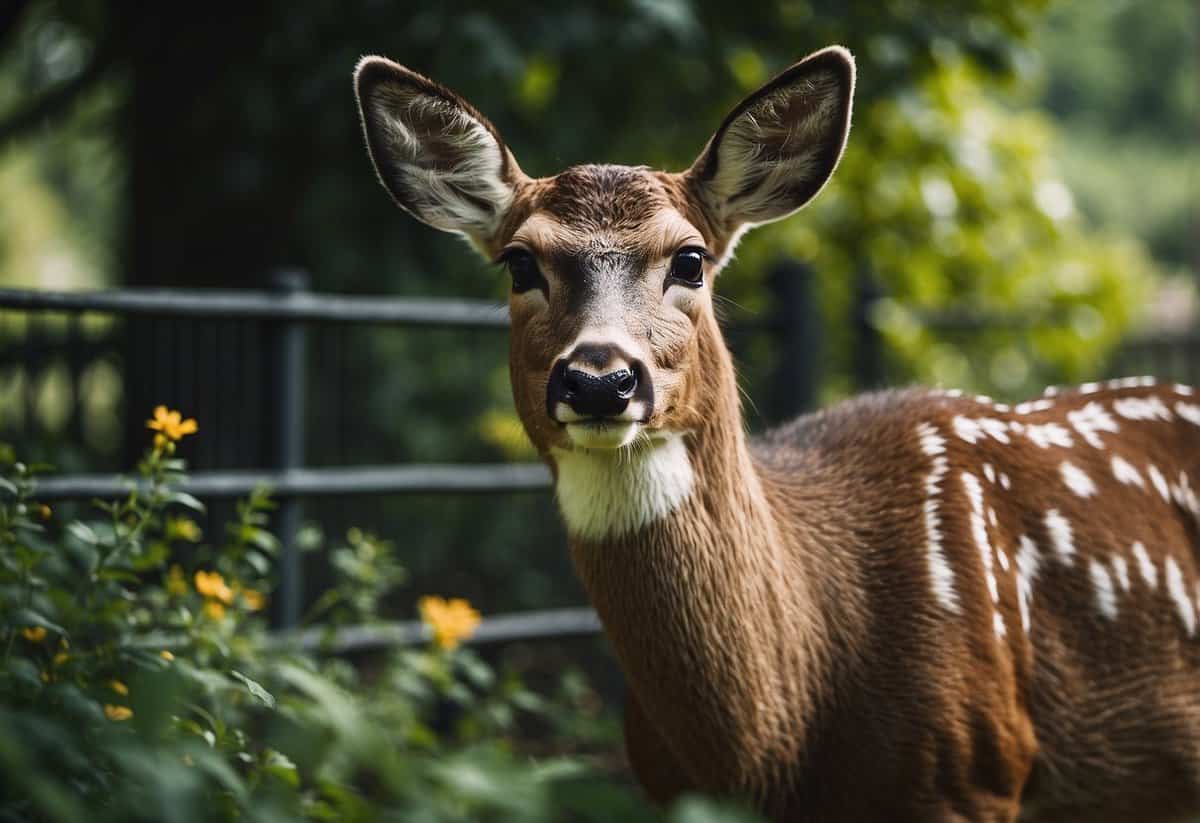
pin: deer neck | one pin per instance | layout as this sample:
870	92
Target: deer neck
701	586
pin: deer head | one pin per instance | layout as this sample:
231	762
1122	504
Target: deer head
613	330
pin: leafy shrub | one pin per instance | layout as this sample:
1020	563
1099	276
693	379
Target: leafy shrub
140	681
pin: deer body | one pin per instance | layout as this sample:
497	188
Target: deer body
913	606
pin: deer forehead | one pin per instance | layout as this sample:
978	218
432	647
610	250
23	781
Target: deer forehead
593	209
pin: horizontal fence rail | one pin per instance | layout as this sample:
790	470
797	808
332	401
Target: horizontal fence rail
503	628
440	478
264	305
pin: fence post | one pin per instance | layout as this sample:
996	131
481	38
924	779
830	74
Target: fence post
287	425
797	327
868	344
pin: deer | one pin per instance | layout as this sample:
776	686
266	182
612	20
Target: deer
917	604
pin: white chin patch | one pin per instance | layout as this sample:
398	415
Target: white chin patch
604	492
603	435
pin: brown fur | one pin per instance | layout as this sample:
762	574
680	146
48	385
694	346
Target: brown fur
779	629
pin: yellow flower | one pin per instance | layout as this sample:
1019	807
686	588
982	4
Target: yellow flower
118	687
211	584
254	600
60	658
166	655
45	512
214	609
117	713
34	634
451	621
183	529
170	425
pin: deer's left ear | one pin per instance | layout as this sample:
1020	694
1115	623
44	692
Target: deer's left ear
779	146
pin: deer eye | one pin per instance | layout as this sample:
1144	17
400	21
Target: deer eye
687	267
524	270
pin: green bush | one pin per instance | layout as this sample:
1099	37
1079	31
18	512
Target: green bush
140	682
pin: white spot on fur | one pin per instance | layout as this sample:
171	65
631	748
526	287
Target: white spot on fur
979	531
1126	472
1028	560
1146	566
1090	421
1143	382
941	575
1189	412
1050	391
973	430
1045	435
1034	406
983	399
1089	388
998	625
1178	593
1121	570
1106	595
1160	482
1003	556
989	472
1141	408
1183	494
1004	481
1061	537
1077	480
606	494
1186	391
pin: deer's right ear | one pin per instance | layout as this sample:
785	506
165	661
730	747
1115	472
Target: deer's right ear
440	159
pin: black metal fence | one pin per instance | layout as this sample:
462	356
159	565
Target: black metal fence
256	335
259	340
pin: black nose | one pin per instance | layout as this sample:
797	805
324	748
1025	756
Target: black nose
588	394
594	382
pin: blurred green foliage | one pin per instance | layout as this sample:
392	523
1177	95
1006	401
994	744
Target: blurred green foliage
138	683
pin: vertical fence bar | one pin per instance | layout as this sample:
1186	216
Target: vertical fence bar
797	328
868	344
288	431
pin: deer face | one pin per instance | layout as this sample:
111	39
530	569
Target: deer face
612	266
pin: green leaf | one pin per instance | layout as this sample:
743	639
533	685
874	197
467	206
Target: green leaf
262	538
83	532
7	486
24	671
259	562
185	499
279	765
255	688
